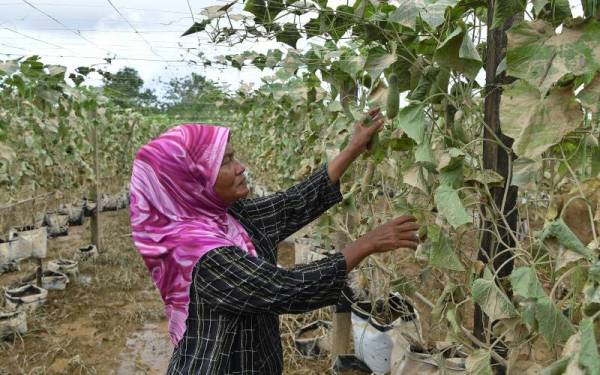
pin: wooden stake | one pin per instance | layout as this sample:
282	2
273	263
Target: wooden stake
496	158
39	272
95	193
342	329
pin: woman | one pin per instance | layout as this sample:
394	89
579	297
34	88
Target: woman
212	254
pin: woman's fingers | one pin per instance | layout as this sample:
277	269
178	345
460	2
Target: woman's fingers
410	236
409	244
407	227
404	219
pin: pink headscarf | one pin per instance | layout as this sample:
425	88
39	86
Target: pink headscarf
176	216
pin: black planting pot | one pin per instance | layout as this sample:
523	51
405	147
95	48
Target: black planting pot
312	346
365	310
349	362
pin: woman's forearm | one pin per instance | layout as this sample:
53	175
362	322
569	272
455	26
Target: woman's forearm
355	253
339	165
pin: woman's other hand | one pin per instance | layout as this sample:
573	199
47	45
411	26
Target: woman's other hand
365	130
401	232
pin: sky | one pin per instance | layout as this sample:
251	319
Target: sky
140	34
137	33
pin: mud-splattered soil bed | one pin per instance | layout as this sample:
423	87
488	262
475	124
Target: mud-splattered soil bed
111	320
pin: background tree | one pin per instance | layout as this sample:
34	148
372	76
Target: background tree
126	90
195	97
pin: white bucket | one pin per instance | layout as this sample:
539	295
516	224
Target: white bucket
428	364
374	341
58	224
89	252
109	203
66	266
25	298
54	280
12	322
8	251
76	213
32	242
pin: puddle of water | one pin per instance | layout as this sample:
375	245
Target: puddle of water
149	351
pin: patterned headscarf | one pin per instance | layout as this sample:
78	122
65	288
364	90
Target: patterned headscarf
176	216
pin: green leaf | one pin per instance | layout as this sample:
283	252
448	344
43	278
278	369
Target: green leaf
378	60
478	363
525	171
492	300
536	123
411	119
565	236
505	9
457	52
591	291
434	11
525	283
450	206
264	11
273	58
541	57
288	35
589	358
407	12
424	156
313	27
196	27
556	12
590	95
468	51
337	23
353	65
538	6
553	325
441	254
557	368
430	11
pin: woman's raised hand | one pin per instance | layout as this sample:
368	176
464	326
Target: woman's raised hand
365	130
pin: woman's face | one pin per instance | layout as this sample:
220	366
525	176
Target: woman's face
231	183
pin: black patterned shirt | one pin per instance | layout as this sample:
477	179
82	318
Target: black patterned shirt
235	299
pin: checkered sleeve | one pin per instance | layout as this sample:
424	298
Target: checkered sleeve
281	214
230	280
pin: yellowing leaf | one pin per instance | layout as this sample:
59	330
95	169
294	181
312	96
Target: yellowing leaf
541	57
536	123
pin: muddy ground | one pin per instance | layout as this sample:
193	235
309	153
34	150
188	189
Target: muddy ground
111	320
